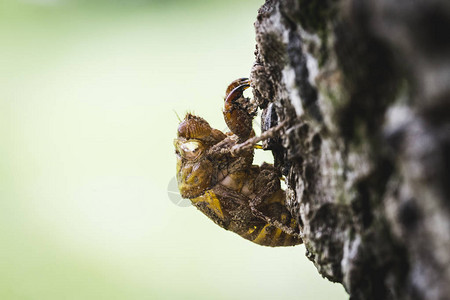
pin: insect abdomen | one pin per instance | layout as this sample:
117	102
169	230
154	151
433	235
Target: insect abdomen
270	235
241	220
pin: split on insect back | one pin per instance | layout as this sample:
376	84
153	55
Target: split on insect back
215	171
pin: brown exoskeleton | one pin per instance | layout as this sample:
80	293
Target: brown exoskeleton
215	171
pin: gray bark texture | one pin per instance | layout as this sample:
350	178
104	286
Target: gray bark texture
365	85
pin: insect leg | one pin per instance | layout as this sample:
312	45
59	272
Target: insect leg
235	84
236	115
269	201
286	223
236	150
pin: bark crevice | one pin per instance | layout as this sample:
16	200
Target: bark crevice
367	155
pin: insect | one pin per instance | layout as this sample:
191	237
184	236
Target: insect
215	171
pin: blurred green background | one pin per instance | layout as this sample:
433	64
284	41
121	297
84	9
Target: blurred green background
87	94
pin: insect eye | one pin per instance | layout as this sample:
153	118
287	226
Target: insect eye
191	149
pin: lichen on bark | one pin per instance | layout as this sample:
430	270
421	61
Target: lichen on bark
366	157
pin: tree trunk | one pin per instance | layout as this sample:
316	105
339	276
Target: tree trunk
365	86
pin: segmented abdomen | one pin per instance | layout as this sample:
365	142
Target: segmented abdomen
237	217
270	235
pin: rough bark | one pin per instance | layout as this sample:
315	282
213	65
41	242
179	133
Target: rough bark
366	87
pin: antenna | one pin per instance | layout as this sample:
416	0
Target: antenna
178	117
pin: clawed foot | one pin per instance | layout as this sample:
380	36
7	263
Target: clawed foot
236	112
